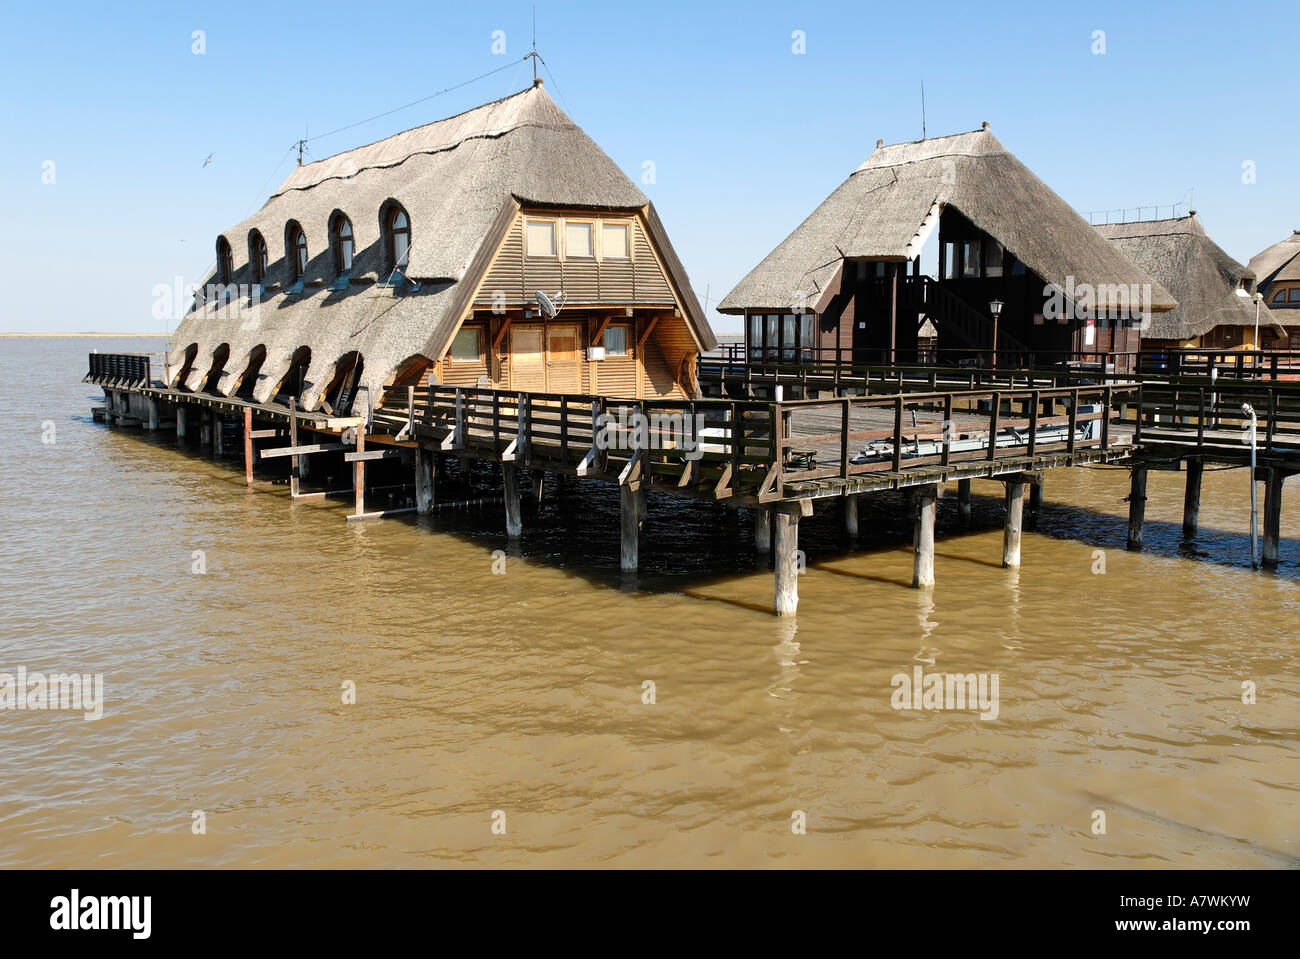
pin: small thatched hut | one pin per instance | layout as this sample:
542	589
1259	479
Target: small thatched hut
847	281
1215	307
420	258
1277	272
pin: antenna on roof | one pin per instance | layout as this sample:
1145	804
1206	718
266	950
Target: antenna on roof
922	109
536	82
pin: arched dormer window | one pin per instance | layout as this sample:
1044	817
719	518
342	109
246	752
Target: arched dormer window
295	250
225	262
341	240
257	256
397	238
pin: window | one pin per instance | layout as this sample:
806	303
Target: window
970	254
789	337
465	345
541	237
296	250
1279	296
397	240
341	236
1293	295
577	240
225	262
950	264
992	258
257	256
880	269
613	241
616	341
755	336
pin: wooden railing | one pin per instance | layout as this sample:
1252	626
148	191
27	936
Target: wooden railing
724	448
1234	364
119	369
1214	417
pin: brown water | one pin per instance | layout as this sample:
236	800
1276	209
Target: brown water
522	692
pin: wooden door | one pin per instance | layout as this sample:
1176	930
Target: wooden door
563	355
527	363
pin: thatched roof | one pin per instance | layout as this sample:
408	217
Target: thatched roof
889	206
1205	280
1281	261
458	179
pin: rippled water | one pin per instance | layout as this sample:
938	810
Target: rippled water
522	692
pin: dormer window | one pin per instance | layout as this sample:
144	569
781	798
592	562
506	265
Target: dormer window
540	237
257	256
225	262
397	238
295	244
341	236
613	241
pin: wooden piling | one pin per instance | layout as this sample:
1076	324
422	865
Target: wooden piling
1015	519
1192	497
425	468
152	403
510	491
180	421
359	474
205	428
295	462
248	446
1137	507
1035	497
850	508
218	436
785	521
762	530
1272	516
926	506
630	527
963	501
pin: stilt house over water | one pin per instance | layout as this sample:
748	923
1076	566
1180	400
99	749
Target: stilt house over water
847	286
1277	270
1215	305
500	247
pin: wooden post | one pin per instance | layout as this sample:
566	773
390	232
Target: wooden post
359	473
851	515
631	528
1015	500
510	491
1272	516
425	468
218	435
205	428
152	403
785	519
926	504
762	530
295	462
180	421
963	501
642	500
248	445
1192	497
1035	497
1137	507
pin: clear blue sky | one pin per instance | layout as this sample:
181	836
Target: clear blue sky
747	137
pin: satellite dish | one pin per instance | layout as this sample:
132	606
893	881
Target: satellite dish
550	307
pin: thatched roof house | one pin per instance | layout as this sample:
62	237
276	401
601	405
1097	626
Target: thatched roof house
370	262
972	189
1277	272
1213	289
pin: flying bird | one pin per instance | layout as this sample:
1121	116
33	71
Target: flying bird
208	160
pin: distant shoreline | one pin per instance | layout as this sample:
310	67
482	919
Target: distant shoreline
66	335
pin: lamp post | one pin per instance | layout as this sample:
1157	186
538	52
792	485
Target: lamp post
1257	297
995	308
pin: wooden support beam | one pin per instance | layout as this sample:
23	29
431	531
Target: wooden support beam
295	465
510	488
926	506
218	435
1272	516
850	509
629	529
180	421
1035	497
1192	497
1015	503
296	451
963	501
205	428
359	475
763	530
152	403
785	519
645	334
369	456
425	474
1137	507
248	445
